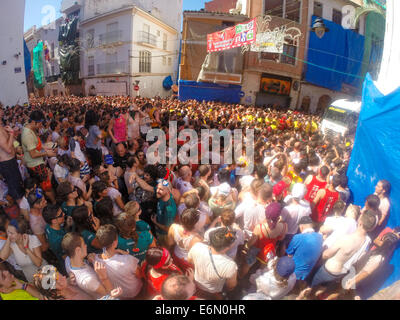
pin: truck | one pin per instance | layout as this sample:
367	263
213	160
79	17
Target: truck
341	118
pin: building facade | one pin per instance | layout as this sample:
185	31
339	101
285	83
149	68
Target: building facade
12	65
126	45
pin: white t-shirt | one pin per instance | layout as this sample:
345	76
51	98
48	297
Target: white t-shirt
78	152
121	272
252	212
86	278
267	283
239	240
113	194
24	204
54	136
37	224
341	226
204	213
204	273
24	261
77	182
11	258
182	186
60	172
292	214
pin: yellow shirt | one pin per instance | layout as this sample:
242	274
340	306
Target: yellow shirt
17	295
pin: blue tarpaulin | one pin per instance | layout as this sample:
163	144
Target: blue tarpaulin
27	60
376	156
339	49
200	91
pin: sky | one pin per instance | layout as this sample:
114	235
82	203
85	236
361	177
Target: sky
39	13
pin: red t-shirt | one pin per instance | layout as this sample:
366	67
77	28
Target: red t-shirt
312	188
324	206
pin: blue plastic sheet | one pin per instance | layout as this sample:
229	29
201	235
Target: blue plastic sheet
339	49
27	60
209	91
167	83
376	156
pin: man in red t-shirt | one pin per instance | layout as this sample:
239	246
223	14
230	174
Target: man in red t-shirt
324	200
315	183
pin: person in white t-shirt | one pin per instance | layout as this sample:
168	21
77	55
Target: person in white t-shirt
337	226
94	282
277	279
123	270
214	271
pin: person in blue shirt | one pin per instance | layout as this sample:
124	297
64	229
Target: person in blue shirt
305	248
54	217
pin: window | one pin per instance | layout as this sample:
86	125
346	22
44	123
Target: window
52	51
145	62
90	38
169	61
274	7
337	16
289	9
318	9
164	61
91	66
292	10
53	72
146	28
165	39
158	33
289	53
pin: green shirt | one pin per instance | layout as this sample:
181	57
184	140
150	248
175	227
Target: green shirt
67	209
166	212
55	237
88	237
144	241
29	142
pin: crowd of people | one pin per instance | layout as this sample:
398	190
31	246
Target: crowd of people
85	216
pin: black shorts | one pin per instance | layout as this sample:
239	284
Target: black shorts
10	172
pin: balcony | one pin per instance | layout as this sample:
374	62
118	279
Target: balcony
111	68
147	38
110	37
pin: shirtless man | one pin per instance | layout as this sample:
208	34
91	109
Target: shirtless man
8	163
342	255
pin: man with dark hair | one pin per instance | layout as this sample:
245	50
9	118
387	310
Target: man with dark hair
382	190
214	270
34	153
315	183
324	200
123	270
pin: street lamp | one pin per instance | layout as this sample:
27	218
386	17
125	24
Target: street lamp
319	28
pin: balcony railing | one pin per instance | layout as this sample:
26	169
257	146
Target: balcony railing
111	68
148	38
110	37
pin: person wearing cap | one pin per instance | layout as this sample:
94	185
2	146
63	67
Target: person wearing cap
305	248
280	191
34	153
277	279
295	209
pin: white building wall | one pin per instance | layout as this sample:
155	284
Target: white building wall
128	53
13	89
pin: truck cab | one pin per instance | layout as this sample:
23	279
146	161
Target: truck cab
341	118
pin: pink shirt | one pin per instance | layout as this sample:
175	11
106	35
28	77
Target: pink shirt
120	128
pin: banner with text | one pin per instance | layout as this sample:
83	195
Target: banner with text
233	37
